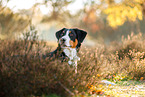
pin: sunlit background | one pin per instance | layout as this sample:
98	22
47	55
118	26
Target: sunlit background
105	21
112	56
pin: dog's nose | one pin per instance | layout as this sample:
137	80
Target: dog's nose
63	40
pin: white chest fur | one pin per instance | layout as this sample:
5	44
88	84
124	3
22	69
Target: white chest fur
72	54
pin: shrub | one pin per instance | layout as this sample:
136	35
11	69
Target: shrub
24	73
129	57
134	43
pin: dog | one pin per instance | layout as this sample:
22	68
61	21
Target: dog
69	43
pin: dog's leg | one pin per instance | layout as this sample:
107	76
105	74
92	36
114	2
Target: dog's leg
52	55
76	66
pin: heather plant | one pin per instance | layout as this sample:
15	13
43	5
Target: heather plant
24	72
128	58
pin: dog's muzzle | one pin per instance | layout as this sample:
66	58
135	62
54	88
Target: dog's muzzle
62	43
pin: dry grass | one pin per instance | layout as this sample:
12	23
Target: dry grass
25	73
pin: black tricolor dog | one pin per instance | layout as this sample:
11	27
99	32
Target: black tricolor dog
69	42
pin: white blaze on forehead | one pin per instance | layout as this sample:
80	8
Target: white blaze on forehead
67	38
66	35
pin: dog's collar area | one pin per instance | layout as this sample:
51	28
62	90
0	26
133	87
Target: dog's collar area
66	47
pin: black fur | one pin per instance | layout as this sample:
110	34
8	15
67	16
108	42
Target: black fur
58	33
80	36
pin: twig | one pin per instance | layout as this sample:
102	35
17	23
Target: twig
71	93
66	88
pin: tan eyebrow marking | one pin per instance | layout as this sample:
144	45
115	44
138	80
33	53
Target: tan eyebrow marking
69	31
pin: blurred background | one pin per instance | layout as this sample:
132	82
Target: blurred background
114	48
106	21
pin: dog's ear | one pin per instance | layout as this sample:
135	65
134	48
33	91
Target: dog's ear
80	35
58	33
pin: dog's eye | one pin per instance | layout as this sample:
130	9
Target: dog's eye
71	34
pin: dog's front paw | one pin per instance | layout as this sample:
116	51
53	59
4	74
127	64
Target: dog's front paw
70	62
78	58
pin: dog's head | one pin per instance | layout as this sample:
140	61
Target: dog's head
70	37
